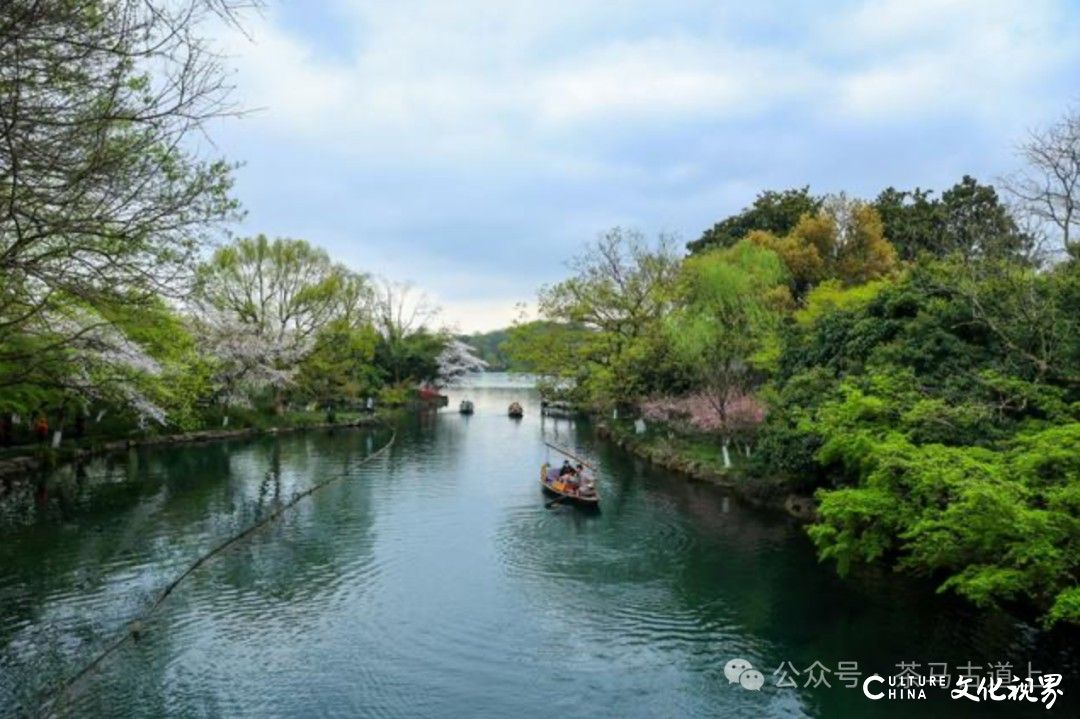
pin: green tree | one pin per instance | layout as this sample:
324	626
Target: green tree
262	306
912	221
619	293
107	203
774	212
999	526
969	220
408	347
844	241
490	347
726	321
975	223
341	367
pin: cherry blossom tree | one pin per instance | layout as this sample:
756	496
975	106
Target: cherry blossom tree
457	360
84	358
260	304
109	190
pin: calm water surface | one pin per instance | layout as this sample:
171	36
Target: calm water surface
432	581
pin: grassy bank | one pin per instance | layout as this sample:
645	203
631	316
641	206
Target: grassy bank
700	457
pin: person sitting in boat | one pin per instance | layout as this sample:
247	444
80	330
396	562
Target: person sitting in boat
567	470
585	485
573	480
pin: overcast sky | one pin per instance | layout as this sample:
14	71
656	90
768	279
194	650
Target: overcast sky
473	146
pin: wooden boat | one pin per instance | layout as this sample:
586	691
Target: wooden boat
585	495
466	406
516	410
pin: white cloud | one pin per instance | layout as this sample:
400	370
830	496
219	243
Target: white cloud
960	58
664	78
439	128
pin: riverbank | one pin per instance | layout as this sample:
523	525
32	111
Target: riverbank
702	461
38	459
395	557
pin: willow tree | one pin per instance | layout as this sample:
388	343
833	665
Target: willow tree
105	192
725	325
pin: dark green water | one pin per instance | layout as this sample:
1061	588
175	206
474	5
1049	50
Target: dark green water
433	582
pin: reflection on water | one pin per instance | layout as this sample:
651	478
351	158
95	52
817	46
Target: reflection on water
432	582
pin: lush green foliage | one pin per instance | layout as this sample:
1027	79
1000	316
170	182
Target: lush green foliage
774	212
968	219
726	321
943	435
605	331
921	370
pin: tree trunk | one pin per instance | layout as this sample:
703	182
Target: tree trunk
727	456
59	433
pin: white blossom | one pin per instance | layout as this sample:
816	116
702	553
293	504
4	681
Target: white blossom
457	360
104	364
249	360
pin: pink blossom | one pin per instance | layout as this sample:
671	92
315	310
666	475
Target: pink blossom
699	412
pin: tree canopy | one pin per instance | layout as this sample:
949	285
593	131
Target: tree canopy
774	212
913	362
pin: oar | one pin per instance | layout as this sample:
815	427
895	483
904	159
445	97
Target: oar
550	504
571	456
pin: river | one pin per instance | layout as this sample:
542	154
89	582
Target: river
432	581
